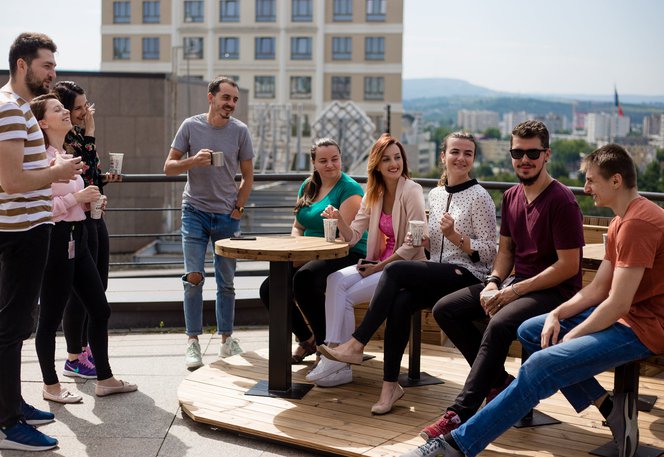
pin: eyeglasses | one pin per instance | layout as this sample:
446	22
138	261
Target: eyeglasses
533	154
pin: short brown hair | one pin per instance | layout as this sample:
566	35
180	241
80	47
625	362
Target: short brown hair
213	87
532	129
26	46
612	159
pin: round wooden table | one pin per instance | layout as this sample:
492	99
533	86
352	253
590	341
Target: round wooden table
281	251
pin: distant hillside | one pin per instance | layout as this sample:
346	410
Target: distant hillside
448	87
442	87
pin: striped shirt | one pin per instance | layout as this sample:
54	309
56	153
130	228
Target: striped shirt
23	211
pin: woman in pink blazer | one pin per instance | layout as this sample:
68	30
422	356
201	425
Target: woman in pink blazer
392	199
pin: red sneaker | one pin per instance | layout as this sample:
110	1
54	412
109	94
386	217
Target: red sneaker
448	422
493	393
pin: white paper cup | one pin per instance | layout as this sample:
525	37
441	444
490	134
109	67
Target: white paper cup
487	295
218	159
416	229
330	229
604	237
95	208
115	162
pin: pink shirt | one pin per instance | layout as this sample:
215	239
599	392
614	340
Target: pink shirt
386	227
65	206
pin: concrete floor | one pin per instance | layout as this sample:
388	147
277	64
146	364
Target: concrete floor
145	423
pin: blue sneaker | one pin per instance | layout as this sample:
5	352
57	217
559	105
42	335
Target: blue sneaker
34	416
24	437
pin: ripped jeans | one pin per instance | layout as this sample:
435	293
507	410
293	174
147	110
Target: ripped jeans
198	229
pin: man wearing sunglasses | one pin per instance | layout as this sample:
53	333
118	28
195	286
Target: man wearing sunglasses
541	236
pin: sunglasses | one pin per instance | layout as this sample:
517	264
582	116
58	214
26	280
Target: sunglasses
533	154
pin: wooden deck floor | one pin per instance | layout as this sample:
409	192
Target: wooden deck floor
338	420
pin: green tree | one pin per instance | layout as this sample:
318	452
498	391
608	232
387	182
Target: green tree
569	151
492	133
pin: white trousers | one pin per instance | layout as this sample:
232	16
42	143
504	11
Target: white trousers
345	289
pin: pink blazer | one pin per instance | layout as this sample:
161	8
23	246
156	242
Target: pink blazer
408	205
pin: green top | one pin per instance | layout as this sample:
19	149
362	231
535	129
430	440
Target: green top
309	216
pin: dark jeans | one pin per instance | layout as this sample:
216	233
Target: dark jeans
62	277
486	351
75	319
309	283
22	262
404	288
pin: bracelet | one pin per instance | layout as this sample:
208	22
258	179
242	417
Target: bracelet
492	279
515	292
461	242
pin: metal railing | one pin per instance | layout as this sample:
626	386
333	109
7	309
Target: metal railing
252	207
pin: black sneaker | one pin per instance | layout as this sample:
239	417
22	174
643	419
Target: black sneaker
624	425
24	437
34	416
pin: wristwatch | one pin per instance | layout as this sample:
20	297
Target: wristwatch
240	209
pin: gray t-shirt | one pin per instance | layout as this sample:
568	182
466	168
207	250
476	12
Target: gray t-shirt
213	189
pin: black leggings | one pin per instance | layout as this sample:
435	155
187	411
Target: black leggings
62	277
75	319
309	283
486	351
404	288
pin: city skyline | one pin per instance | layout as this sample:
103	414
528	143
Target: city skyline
556	48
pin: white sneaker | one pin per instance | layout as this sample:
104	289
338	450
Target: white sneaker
325	367
338	378
192	356
230	347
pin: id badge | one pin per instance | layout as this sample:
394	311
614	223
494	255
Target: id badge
71	247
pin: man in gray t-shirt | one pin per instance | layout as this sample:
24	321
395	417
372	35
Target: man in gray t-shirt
212	206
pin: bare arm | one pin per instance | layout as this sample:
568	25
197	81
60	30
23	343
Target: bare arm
14	179
564	268
504	262
176	165
246	184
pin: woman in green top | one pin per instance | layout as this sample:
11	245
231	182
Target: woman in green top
327	185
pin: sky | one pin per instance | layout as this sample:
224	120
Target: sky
521	46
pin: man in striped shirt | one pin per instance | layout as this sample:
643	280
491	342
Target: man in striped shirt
25	226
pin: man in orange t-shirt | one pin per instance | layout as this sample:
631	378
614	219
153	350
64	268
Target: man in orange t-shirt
617	318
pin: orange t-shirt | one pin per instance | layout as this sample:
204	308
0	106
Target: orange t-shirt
637	240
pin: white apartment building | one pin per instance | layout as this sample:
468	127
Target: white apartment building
303	54
604	127
477	121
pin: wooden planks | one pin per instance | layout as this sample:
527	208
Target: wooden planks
338	420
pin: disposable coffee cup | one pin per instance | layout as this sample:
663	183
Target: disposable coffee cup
115	163
489	294
218	159
330	229
96	208
416	229
604	237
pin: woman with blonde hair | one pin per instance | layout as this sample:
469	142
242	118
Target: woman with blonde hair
462	243
392	200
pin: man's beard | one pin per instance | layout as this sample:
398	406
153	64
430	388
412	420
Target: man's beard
529	181
35	86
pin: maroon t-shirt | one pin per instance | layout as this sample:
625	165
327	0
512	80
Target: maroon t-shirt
552	221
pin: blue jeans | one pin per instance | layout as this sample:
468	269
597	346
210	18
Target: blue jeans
568	367
198	229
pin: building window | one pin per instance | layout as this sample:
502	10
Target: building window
150	48
264	48
193	47
229	48
340	87
193	11
376	10
121	13
264	87
300	87
342	10
266	11
300	48
342	48
374	88
229	11
374	48
151	13
121	48
302	11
